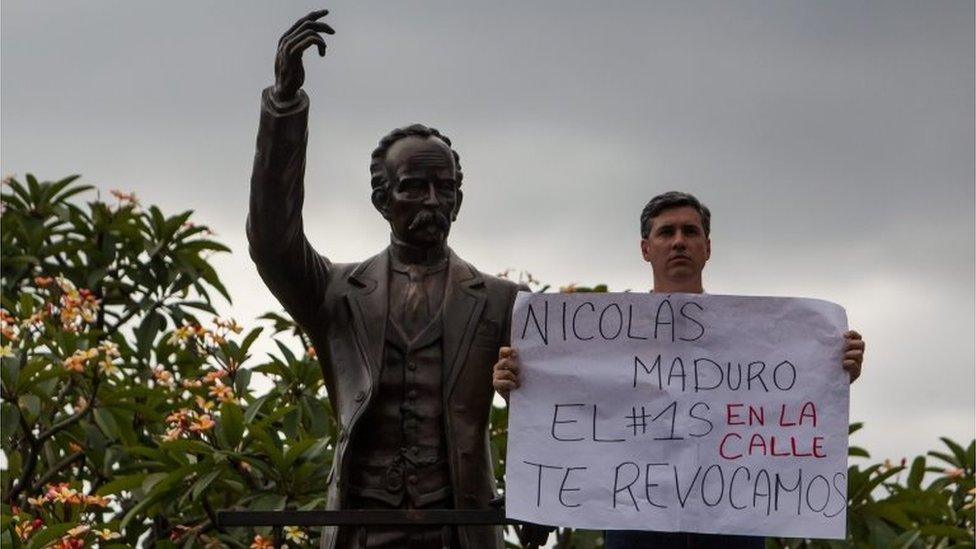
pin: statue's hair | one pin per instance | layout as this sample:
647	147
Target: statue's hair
377	165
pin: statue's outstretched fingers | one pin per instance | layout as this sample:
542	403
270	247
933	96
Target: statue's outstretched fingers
303	41
318	14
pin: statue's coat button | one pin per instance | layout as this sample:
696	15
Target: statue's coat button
360	396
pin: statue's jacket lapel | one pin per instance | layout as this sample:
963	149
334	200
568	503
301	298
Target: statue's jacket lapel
369	304
464	299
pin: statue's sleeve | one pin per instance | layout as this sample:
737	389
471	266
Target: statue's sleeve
291	268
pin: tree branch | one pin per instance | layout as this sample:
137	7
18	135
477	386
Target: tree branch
54	470
30	462
35	444
130	315
205	503
67	422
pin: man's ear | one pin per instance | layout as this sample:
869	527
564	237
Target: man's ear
708	249
380	199
457	205
645	247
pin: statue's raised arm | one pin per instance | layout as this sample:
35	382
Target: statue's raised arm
286	261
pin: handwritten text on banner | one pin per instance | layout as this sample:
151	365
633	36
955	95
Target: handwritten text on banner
689	413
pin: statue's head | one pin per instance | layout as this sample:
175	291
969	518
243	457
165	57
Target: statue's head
416	178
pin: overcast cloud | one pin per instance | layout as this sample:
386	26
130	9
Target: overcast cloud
833	141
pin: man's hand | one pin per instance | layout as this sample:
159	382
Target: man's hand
289	72
505	373
853	354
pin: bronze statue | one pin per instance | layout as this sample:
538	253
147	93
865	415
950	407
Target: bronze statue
406	339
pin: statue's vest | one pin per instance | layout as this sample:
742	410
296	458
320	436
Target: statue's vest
401	436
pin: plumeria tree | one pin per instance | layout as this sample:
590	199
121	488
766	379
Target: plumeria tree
129	412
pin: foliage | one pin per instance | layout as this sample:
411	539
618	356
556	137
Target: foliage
892	505
127	417
129	414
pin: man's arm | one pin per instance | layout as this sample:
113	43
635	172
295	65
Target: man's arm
294	272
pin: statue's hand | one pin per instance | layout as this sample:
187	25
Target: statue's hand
289	72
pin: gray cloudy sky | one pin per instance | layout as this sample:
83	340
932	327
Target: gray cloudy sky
833	141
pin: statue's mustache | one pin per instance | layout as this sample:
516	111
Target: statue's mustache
429	217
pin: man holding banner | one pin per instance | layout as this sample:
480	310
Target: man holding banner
675	229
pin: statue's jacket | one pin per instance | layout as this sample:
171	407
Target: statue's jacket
343	309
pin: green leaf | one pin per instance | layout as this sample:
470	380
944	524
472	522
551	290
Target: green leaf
173	224
250	338
277	414
241	380
189	446
9	420
201	484
916	473
10	371
286	352
890	512
317	450
36	371
866	489
253	409
30	405
76	189
944	457
121	484
26	304
96	276
957	451
318	417
50	533
275	368
906	540
316	503
199	305
268	502
137	510
152	480
268	445
231	423
296	450
944	530
196	246
106	422
289	423
151	325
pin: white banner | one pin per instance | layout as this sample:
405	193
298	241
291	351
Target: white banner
681	413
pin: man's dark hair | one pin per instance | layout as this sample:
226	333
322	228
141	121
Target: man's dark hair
673	199
377	165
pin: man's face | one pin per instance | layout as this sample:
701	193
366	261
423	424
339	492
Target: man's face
677	247
423	197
